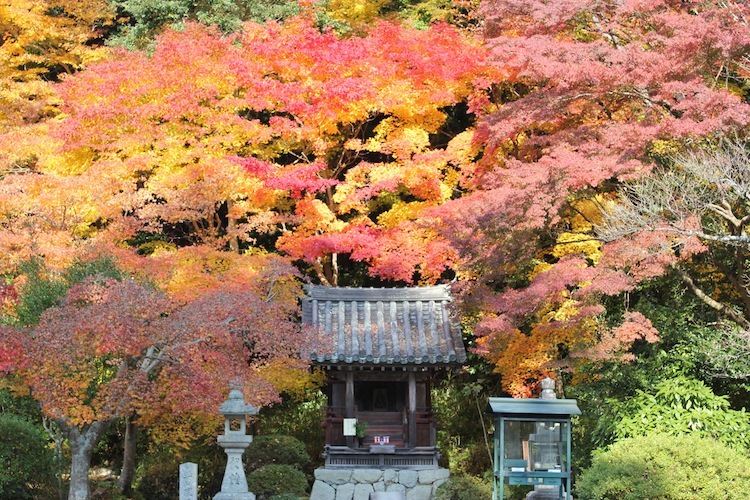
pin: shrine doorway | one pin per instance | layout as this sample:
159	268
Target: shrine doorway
380	396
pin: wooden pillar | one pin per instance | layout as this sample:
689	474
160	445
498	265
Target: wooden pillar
412	410
428	400
349	403
428	393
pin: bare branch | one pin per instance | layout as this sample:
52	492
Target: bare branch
719	307
703	196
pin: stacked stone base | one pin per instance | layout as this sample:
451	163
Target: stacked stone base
357	484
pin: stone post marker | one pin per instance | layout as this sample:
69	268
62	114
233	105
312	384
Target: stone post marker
234	441
189	481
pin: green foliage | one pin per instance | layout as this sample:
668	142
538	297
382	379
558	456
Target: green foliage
724	353
102	266
464	436
464	487
44	288
26	461
149	17
664	467
460	13
677	406
159	477
602	388
300	419
22	406
277	449
274	479
360	428
40	292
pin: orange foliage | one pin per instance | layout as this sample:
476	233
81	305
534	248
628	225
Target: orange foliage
282	130
40	40
111	348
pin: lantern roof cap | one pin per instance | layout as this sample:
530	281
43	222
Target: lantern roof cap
235	405
533	407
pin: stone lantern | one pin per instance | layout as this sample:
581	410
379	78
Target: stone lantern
234	441
532	443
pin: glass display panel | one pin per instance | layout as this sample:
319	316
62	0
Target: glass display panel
535	446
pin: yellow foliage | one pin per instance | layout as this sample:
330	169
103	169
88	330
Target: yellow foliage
154	247
317	216
73	162
403	142
400	212
355	12
567	310
15	385
35	39
521	358
577	243
181	430
665	149
588	212
463	149
29	147
189	272
540	267
287	377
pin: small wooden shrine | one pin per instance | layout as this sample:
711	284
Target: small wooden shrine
382	350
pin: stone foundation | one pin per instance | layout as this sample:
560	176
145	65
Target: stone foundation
357	484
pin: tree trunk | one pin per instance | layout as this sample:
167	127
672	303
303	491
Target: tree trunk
128	457
234	242
82	442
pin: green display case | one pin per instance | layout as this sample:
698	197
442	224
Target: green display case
532	443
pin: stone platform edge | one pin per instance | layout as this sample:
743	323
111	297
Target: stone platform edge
357	484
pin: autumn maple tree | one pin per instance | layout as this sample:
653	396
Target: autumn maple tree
112	347
41	41
593	94
284	137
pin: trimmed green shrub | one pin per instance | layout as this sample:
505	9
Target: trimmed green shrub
27	463
300	419
677	406
464	488
276	449
664	467
274	479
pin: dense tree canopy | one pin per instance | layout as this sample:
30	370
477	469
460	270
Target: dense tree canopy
284	136
42	39
690	217
143	20
657	75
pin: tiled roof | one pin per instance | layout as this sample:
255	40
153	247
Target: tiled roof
398	326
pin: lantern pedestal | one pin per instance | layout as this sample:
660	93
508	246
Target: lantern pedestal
234	484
